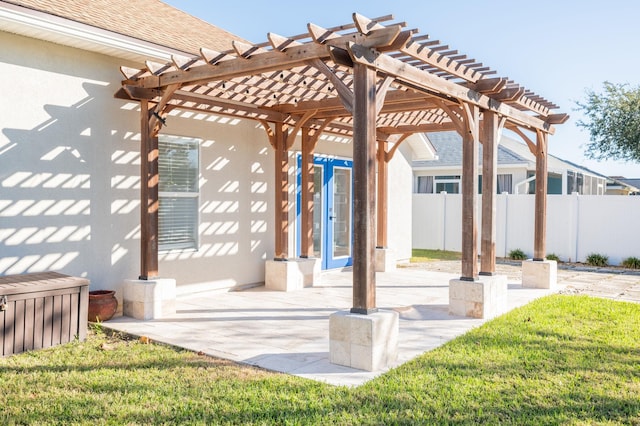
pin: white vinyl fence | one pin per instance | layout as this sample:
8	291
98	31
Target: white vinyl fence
577	225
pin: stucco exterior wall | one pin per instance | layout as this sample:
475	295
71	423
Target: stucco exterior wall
70	176
69	173
399	232
236	198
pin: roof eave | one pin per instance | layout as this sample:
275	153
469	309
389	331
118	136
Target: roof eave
459	166
35	24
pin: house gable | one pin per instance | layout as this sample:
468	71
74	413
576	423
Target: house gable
448	147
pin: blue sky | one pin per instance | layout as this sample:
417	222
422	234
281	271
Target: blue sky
554	48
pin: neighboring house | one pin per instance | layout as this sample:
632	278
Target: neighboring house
516	170
619	185
70	156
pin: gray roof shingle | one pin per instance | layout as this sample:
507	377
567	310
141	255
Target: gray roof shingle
633	182
149	20
448	147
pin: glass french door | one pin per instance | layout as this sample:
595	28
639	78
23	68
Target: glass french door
332	213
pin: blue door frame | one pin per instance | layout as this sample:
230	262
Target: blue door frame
328	204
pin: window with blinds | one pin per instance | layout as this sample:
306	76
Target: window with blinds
178	192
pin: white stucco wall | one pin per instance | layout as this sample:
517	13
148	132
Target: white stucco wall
69	164
399	219
236	198
70	176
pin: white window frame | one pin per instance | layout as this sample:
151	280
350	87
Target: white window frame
166	247
445	180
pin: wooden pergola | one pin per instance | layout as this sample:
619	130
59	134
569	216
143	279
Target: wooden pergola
373	80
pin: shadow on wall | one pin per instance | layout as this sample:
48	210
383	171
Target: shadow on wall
70	187
235	231
70	174
70	197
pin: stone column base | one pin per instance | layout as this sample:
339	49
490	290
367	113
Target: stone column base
540	274
292	274
484	298
385	260
149	299
366	342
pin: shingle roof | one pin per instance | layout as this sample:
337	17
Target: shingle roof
448	147
578	166
149	20
633	182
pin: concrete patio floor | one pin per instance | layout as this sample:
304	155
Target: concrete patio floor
289	332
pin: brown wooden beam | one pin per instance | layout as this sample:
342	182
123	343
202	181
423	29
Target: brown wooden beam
364	163
397	140
491	128
470	137
556	118
422	80
156	121
534	106
344	92
291	139
235	108
540	227
422	128
386	109
228	69
394	97
281	185
149	203
488	85
380	37
381	200
307	170
525	138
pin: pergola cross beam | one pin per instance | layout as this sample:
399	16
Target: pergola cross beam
425	81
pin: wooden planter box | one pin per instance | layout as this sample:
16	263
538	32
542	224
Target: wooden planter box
41	310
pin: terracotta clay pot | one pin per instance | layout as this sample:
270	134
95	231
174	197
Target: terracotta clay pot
102	305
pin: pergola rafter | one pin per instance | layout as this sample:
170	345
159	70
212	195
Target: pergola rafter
282	74
314	82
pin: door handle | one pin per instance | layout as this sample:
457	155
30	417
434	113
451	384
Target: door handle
332	217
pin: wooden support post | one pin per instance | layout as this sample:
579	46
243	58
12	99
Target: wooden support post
364	167
281	185
381	200
490	134
470	193
149	203
306	197
540	229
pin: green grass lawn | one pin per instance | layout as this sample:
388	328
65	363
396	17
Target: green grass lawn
558	360
428	255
